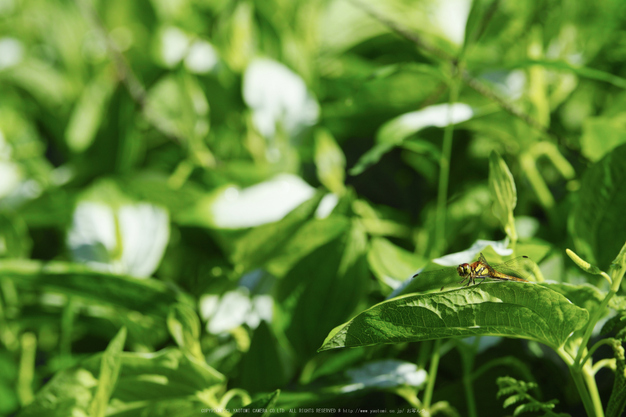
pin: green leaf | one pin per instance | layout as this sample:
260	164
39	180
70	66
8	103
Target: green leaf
617	324
330	162
264	242
183	407
334	274
148	296
617	401
309	237
14	239
68	393
267	364
513	399
597	221
156	189
336	362
109	371
184	326
8	375
390	262
372	156
89	111
601	135
586	72
178	106
396	131
517	391
503	193
265	403
499	309
164	375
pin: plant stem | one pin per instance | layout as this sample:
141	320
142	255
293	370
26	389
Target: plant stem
67	328
26	374
432	375
590	380
593	349
441	55
581	368
582	391
602	363
575	371
467	359
444	172
591	324
424	354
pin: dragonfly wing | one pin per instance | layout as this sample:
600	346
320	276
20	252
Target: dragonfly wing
521	267
482	260
437	277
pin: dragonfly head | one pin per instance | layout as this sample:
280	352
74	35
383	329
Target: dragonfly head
463	270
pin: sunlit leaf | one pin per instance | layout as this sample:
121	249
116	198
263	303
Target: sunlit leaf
68	393
499	309
330	162
331	275
107	378
390	263
597	222
144	295
268	363
601	135
88	113
163	375
265	403
184	326
504	193
394	132
259	245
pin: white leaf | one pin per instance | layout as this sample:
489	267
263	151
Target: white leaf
202	57
454	259
144	232
387	373
11	52
262	203
277	94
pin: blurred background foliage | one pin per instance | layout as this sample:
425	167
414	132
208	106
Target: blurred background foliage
228	180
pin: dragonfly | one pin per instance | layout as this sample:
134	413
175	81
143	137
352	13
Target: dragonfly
512	270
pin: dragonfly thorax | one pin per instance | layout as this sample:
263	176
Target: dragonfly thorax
464	270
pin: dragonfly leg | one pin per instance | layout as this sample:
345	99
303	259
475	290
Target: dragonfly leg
483	280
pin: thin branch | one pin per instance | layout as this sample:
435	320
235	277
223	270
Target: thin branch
474	83
125	73
491	11
404	32
482	89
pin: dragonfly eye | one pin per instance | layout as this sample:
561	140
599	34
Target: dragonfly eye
463	270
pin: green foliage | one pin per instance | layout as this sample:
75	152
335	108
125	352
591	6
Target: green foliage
498	309
617	401
265	403
109	371
184	327
616	324
193	194
336	273
516	392
503	193
597	221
